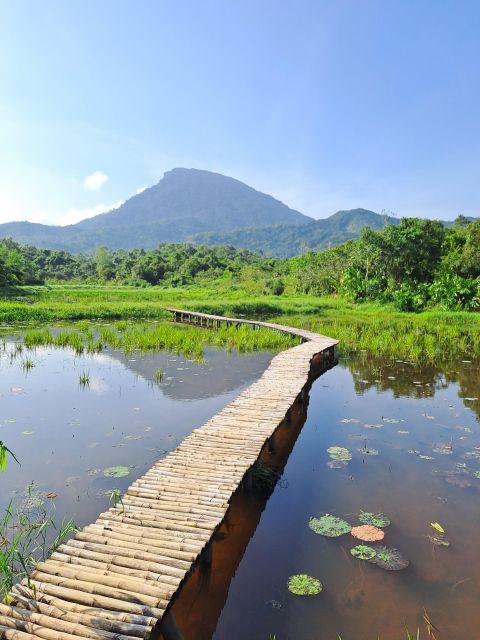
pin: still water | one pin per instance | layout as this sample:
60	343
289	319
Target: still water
65	435
424	424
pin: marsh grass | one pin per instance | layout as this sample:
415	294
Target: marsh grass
154	336
84	379
428	337
158	375
28	535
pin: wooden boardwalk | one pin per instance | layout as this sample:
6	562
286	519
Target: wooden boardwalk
116	578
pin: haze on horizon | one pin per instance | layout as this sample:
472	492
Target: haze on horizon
325	105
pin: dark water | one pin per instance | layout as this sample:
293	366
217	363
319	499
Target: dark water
65	436
404	413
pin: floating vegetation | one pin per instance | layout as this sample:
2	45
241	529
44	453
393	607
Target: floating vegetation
439	541
368	533
438	527
304	585
379	520
403	432
350	421
367	425
116	472
390	559
458	481
339	453
368	451
443	448
363	552
476	474
472	455
392	420
329	526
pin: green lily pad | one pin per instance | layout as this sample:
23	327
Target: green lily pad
116	472
390	559
303	585
363	552
339	453
379	520
329	526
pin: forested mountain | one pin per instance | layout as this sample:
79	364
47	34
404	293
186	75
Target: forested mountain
185	202
288	240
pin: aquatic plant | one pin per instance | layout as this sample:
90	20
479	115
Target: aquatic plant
116	472
84	379
390	559
439	541
115	497
158	375
329	526
339	453
27	364
28	534
379	520
3	456
443	448
363	552
368	451
438	527
368	533
304	585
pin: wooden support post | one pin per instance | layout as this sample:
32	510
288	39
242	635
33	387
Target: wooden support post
169	628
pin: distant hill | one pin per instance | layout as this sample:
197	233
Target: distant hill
184	203
287	240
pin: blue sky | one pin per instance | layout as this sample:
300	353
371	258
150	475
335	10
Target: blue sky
326	105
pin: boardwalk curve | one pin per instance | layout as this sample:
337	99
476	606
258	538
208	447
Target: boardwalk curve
116	578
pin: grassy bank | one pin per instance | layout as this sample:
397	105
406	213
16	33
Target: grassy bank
432	336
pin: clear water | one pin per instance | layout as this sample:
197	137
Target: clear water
65	435
245	595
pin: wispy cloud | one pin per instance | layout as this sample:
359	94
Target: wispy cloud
95	181
140	190
74	215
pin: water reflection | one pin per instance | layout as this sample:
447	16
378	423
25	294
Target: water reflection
427	435
66	434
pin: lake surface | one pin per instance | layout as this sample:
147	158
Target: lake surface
65	434
424	423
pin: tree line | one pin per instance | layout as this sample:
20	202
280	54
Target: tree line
413	264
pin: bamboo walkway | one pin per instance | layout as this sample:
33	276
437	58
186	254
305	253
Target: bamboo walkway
116	577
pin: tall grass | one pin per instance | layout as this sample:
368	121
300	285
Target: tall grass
147	336
28	534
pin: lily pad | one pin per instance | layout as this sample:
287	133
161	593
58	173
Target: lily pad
363	552
390	559
379	520
329	526
443	448
339	453
368	533
368	451
116	472
303	585
476	474
27	433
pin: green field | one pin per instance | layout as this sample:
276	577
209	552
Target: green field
431	336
